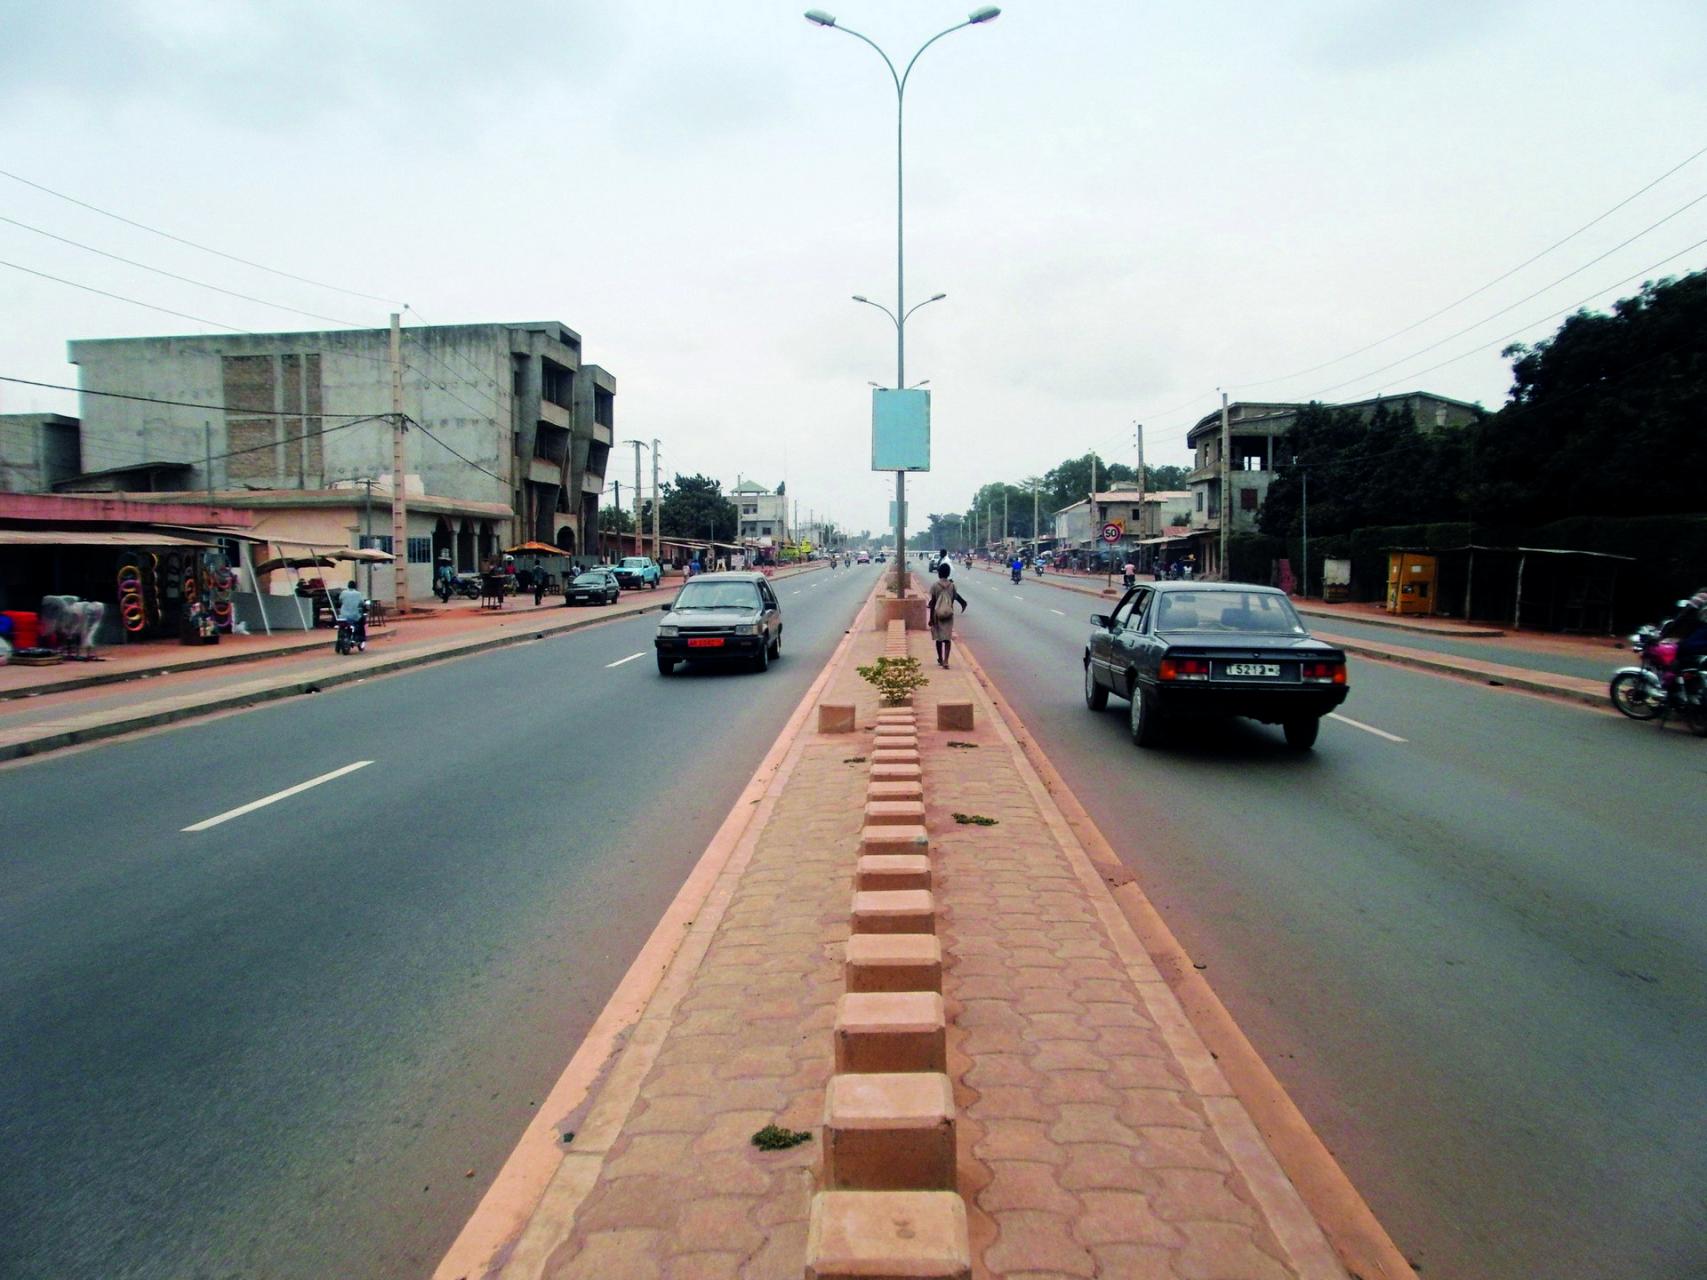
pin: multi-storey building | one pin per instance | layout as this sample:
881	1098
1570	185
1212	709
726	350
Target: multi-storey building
509	431
1256	436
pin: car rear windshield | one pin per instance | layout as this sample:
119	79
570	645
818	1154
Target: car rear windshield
1256	612
718	595
589	580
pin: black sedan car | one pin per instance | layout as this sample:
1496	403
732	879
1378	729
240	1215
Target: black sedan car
1178	649
721	617
595	586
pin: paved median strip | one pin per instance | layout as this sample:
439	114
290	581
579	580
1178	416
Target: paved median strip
286	794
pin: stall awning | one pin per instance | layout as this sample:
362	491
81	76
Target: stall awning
96	538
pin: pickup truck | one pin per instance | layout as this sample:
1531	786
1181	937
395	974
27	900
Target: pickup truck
637	571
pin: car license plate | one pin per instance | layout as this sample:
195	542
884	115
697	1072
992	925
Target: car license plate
1253	668
712	642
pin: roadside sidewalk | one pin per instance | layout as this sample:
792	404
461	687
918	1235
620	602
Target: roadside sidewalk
47	708
1510	659
1090	1132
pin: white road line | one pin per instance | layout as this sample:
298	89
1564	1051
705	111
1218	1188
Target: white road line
630	658
1057	613
264	801
1018	596
1367	728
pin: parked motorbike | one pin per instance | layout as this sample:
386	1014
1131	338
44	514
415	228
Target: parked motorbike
1660	688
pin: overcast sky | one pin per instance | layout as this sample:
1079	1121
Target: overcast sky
1128	205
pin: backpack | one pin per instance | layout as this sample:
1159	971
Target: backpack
943	609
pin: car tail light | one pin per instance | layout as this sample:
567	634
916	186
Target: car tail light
1326	672
1184	669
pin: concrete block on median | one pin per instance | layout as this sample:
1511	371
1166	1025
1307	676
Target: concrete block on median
887	1235
954	715
892	838
892	962
889	1132
877	871
895	755
884	772
835	717
894	791
893	911
891	1031
894	813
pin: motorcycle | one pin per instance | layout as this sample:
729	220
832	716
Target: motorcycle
1037	567
351	637
1016	575
1660	688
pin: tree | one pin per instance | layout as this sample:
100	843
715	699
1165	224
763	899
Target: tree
615	520
694	507
1070	481
1160	479
1604	416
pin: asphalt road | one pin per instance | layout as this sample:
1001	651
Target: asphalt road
302	1041
1475	956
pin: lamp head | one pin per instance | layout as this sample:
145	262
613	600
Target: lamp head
859	297
936	297
828	20
984	13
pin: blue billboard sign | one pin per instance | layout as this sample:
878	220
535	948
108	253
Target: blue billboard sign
900	430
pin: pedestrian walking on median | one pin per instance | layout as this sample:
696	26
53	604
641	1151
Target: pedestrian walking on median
943	599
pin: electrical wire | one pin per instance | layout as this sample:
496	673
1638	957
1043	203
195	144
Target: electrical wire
1477	292
219	253
180	404
447	448
170	275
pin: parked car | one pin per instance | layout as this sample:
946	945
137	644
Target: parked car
593	586
719	617
1178	649
638	571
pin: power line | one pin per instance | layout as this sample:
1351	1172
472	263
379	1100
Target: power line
181	404
200	284
219	253
1529	298
447	448
1477	292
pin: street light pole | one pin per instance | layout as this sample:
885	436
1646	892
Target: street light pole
980	15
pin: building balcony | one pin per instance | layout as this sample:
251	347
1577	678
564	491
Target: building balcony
553	415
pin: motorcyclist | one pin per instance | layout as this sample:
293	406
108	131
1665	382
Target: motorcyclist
1017	567
1689	629
445	577
352	608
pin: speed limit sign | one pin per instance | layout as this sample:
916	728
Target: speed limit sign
1113	531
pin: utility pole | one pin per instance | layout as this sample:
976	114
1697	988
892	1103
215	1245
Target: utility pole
1138	430
1034	530
1005	525
1305	594
1226	488
657	507
1091	504
399	503
207	452
639	529
367	530
616	499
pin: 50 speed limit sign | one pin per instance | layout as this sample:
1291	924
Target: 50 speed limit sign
1113	531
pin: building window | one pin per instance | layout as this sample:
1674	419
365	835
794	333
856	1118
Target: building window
1200	499
765	529
750	510
420	550
1247	499
376	542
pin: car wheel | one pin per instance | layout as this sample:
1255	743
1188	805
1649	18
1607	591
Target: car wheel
776	644
666	664
1096	697
1142	718
1301	733
763	661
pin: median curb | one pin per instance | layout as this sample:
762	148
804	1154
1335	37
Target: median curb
75	730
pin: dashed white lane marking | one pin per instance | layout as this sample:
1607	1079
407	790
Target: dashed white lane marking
1057	613
1367	728
264	801
1018	596
630	658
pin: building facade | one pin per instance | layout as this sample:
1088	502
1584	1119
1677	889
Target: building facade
762	514
501	416
37	451
1256	437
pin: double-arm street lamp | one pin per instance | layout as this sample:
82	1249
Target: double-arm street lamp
899	315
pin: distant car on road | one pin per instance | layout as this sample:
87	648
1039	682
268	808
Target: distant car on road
637	571
864	557
1178	649
595	586
719	617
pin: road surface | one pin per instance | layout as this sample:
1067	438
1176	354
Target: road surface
1468	933
301	1040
